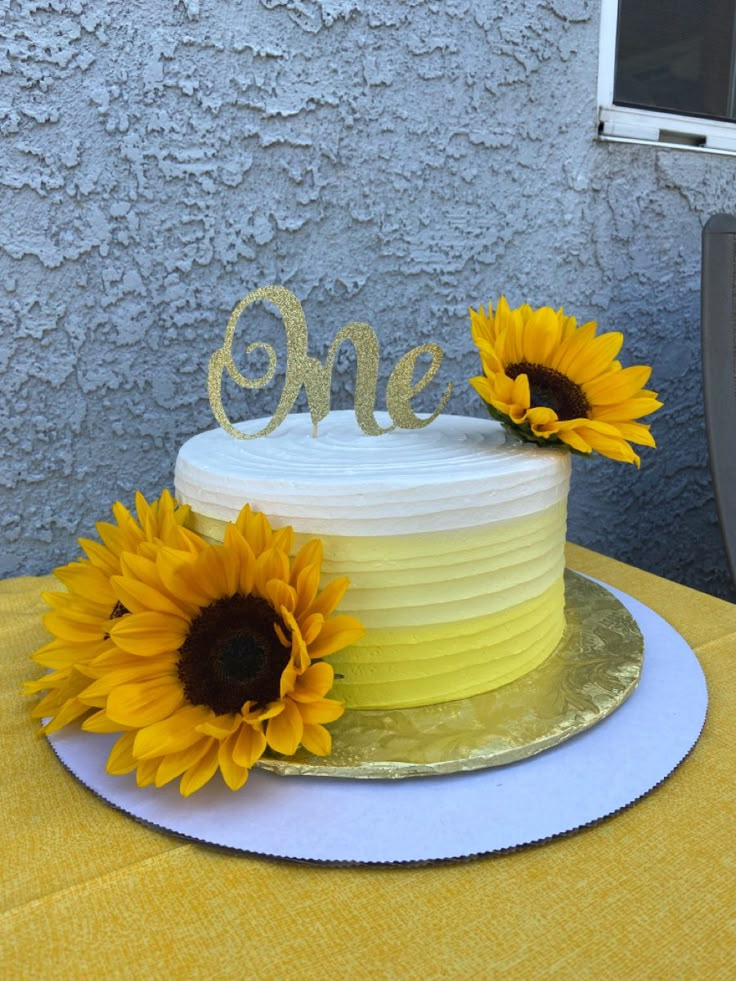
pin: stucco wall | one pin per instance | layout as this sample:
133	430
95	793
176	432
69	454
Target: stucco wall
387	161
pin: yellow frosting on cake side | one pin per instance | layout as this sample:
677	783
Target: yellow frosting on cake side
448	614
441	662
435	577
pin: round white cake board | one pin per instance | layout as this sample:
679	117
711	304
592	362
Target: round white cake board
589	777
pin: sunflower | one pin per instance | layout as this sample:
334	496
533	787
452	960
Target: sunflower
81	616
554	382
219	656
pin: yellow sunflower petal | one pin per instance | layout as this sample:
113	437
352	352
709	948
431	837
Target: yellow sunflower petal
61	600
216	569
308	556
283	539
575	441
248	746
481	324
144	703
509	396
70	711
60	653
149	634
284	731
604	428
245	557
36	686
145	772
636	432
254	712
617	386
573	340
87	582
316	739
121	759
99	722
113	537
337	632
326	710
281	635
201	772
483	387
505	316
234	774
143	670
510	336
171	735
626	411
610	446
141	566
271	564
255	529
138	597
279	593
288	678
314	683
310	627
330	597
300	657
493	362
520	396
307	587
123	517
179	577
146	515
541	336
81	628
100	556
112	658
543	421
173	765
219	726
595	358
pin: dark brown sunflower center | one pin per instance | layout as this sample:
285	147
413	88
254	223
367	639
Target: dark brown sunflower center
552	389
232	655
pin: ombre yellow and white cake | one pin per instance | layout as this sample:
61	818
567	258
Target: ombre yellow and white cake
452	537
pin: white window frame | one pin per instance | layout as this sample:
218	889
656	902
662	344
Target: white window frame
665	129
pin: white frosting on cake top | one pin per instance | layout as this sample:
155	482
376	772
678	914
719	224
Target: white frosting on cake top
458	472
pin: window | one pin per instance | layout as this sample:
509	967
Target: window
667	73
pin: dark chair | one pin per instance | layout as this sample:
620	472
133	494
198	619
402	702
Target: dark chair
718	328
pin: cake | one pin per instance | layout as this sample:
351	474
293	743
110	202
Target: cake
452	537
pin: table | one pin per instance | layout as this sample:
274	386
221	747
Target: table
649	893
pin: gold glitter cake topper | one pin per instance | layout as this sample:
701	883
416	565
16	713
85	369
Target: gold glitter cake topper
302	369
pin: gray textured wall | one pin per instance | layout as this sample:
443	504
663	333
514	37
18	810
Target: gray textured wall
387	161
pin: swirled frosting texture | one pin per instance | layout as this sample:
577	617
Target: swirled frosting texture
451	536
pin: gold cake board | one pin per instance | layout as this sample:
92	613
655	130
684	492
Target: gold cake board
594	668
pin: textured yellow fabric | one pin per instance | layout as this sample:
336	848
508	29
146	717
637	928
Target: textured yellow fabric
647	894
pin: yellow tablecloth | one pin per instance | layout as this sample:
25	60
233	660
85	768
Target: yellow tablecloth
647	894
